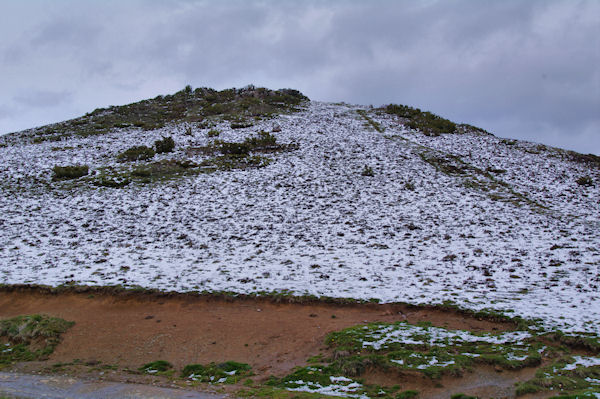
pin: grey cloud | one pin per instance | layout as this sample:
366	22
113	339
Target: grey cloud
66	33
5	112
43	98
535	63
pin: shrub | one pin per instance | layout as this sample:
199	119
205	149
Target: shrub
111	181
263	140
229	372
156	367
585	181
30	337
409	186
367	171
213	133
428	123
240	125
234	148
137	153
590	159
69	172
407	394
166	144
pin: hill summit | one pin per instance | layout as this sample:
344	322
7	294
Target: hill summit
254	190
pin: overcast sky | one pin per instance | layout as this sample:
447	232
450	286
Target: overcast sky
524	69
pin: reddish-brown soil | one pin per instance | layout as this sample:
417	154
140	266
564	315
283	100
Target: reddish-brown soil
273	338
129	331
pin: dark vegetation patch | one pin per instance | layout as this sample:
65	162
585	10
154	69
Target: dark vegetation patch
263	142
136	153
508	142
116	177
27	338
495	170
240	125
227	372
448	164
111	177
226	156
367	171
424	121
159	367
166	144
213	133
69	172
587	159
232	161
188	105
466	128
585	181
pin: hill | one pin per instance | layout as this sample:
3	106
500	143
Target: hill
259	191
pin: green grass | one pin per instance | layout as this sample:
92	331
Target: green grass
424	121
166	144
31	337
227	156
422	348
557	377
278	393
217	373
149	172
314	379
191	106
431	351
159	367
137	153
69	172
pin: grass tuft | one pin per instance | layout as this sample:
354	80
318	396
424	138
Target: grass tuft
31	337
69	172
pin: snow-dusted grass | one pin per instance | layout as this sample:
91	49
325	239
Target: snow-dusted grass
525	241
579	376
381	336
340	386
431	350
228	372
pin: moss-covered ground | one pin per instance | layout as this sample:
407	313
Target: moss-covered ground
31	337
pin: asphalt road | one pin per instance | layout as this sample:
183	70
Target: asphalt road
25	386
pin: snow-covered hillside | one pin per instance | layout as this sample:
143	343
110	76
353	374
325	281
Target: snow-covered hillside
469	218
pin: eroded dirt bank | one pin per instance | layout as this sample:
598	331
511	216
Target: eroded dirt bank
129	331
272	337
